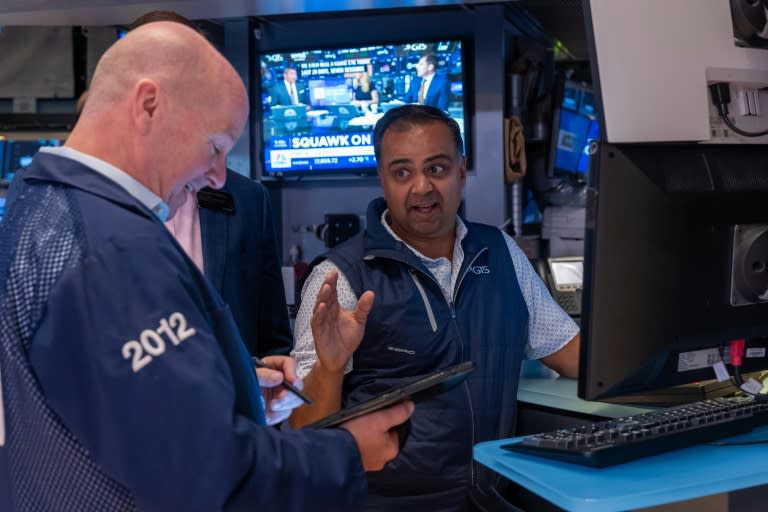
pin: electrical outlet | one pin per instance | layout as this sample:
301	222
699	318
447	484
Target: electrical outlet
745	101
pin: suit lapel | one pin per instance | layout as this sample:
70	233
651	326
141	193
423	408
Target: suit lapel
286	95
431	92
214	231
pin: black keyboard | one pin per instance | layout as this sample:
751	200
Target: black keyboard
621	440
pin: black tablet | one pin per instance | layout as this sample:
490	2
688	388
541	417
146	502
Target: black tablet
420	389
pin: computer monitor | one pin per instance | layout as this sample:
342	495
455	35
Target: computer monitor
287	120
330	91
676	265
575	127
19	153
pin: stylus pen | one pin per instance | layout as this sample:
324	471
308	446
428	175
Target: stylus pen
287	385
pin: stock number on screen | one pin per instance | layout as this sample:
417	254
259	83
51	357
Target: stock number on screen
152	342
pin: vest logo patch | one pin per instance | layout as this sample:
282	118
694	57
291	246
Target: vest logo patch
403	350
480	270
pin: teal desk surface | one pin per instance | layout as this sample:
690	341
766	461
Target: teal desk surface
678	475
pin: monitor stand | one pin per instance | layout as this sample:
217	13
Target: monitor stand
678	395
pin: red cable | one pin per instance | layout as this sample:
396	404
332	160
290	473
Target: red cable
737	351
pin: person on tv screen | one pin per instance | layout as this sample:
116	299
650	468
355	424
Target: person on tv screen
365	94
288	91
429	87
437	290
150	401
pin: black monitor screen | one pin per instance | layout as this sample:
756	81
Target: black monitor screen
19	153
323	123
676	265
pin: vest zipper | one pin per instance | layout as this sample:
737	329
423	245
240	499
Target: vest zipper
452	306
465	384
430	313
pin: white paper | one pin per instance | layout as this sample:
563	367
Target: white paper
721	372
752	387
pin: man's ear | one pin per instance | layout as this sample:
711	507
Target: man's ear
463	170
145	104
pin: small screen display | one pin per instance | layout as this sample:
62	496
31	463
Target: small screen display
568	275
571	141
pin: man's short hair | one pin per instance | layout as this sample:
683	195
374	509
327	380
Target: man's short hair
409	115
430	58
153	16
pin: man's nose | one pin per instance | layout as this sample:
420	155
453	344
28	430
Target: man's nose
422	184
217	175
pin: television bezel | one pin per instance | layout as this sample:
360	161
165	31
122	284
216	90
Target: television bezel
360	172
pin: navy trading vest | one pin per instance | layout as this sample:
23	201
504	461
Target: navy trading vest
413	330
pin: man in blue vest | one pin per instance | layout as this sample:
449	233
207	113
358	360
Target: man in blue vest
437	290
125	383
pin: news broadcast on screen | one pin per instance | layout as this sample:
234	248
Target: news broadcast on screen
319	107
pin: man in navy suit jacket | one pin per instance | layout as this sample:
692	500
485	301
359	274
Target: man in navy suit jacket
230	235
281	94
240	258
437	90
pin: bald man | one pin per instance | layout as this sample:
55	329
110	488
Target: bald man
125	385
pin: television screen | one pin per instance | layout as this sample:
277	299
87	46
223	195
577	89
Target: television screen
19	154
319	106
